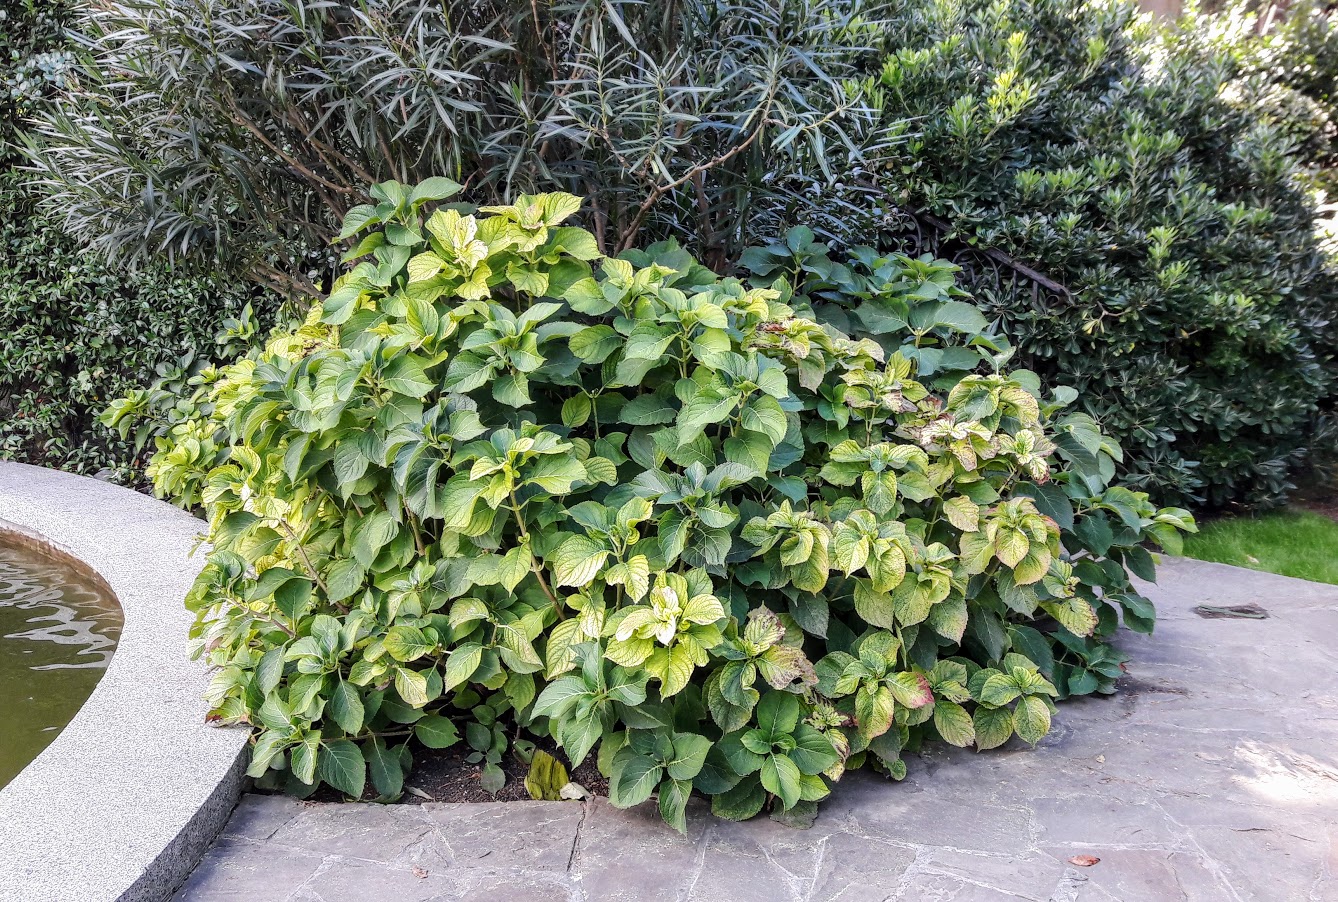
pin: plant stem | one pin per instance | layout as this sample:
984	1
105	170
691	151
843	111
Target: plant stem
535	567
302	552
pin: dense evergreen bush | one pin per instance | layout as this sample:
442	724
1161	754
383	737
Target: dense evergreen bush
1289	56
1140	169
499	485
73	334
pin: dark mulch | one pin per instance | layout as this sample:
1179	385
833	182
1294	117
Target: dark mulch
443	775
1327	506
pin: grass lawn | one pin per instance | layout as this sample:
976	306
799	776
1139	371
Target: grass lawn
1292	542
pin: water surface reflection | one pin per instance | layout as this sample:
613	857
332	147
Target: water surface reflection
58	629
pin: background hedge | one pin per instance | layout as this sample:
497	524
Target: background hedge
1169	178
74	334
1141	169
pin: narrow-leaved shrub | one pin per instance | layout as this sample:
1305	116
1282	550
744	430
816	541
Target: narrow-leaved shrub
498	485
236	135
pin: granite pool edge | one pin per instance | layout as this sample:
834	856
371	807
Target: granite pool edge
122	805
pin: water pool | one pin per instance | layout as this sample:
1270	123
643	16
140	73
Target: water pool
58	630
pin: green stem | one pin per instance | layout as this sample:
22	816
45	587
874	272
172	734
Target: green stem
306	561
535	567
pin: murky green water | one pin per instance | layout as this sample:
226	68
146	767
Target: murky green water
58	629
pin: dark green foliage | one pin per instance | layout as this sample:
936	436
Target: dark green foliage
1290	58
1134	167
73	334
498	484
238	134
1168	195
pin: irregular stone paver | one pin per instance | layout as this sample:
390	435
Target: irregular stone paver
1212	775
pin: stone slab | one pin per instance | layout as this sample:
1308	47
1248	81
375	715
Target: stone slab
1213	775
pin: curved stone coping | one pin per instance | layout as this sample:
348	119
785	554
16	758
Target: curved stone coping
127	798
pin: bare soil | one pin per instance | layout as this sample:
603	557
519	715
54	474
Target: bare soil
1327	506
443	775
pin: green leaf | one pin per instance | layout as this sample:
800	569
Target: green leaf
1051	500
576	410
343	579
577	561
435	188
556	474
764	414
407	643
1031	719
993	727
673	802
648	410
436	732
512	390
373	533
527	279
406	375
778	713
355	220
514	566
578	737
781	777
742	802
577	242
594	344
953	723
345	706
385	767
304	758
585	296
813	752
492	779
460	666
1095	533
343	767
689	755
703	410
270	670
634	779
960	317
1140	562
648	342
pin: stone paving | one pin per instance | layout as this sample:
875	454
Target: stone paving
1212	775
